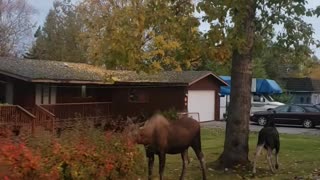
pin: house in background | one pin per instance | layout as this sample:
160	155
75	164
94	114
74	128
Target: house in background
303	90
62	90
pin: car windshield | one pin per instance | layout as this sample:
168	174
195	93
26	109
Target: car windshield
269	98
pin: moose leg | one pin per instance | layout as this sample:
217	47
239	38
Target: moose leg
184	156
269	157
277	160
187	156
258	151
162	162
150	166
197	149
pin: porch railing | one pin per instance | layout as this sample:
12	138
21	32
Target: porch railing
44	118
194	115
12	115
65	111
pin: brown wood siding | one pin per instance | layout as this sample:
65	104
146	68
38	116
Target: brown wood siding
209	83
72	94
160	98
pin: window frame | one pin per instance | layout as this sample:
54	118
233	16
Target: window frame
142	96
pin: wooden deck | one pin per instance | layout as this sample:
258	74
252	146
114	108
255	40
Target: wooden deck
52	116
16	116
43	117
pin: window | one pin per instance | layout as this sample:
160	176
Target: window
257	98
45	94
311	109
138	96
301	100
296	109
83	91
269	98
308	100
282	109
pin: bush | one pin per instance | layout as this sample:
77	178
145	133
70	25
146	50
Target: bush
79	153
170	114
284	98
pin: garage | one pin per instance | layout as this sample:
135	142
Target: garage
202	102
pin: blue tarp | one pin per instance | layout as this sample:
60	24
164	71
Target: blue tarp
225	90
263	86
267	86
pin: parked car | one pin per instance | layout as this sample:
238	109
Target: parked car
306	115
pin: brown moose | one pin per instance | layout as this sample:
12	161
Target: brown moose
161	137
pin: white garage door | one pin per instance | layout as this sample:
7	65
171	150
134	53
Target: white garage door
203	103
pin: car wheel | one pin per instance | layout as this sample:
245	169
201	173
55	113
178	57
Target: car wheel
262	121
307	123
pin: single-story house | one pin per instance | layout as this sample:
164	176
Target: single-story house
70	89
303	90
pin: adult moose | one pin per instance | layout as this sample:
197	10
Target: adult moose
162	137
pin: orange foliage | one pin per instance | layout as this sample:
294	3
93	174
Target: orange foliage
93	155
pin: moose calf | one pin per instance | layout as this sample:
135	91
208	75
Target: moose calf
268	139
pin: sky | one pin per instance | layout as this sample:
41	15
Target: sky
42	7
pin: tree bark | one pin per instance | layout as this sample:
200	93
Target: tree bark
236	146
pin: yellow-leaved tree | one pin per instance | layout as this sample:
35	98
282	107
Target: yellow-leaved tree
143	35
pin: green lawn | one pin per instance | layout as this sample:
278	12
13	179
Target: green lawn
299	156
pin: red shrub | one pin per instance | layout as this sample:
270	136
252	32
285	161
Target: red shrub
80	153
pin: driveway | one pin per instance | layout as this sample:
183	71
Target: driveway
255	128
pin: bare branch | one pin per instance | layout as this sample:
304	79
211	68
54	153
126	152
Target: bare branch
15	24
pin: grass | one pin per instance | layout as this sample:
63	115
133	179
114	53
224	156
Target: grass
299	156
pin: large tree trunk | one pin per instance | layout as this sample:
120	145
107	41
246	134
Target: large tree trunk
236	146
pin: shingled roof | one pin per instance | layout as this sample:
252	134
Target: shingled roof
183	77
302	85
40	70
58	72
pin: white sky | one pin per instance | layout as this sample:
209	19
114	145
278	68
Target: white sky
43	6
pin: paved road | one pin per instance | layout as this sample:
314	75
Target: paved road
281	129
